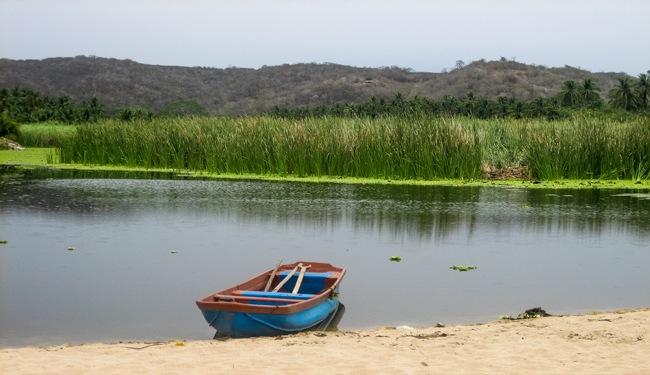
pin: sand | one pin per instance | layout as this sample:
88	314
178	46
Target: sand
616	342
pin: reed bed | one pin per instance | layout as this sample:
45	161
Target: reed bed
47	134
387	148
587	147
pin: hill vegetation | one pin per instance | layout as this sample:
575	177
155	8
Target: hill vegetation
108	86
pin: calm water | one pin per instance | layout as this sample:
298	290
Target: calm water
566	251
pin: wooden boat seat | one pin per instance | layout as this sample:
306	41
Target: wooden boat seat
313	282
233	298
257	293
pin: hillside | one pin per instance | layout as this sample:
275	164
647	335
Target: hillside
122	83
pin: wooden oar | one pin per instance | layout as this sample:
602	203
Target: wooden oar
268	283
300	277
284	281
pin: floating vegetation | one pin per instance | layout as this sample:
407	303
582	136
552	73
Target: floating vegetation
72	248
462	268
395	258
3	241
174	252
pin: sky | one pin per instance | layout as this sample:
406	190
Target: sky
423	35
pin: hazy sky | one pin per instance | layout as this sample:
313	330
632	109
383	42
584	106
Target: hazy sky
425	35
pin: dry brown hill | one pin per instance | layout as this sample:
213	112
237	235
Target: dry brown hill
122	83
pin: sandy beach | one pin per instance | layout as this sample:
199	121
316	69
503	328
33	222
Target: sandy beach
614	342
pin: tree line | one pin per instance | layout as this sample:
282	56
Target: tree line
23	105
629	95
28	106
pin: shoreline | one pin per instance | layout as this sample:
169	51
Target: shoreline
36	159
612	342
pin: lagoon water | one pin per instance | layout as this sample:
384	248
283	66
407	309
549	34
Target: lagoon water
145	249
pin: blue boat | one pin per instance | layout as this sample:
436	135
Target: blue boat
288	299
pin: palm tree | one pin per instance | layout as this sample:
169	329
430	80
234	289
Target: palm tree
65	109
484	109
449	105
398	104
642	86
92	110
517	108
590	93
624	95
470	104
503	106
369	108
539	107
570	94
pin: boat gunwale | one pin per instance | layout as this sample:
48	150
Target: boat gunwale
235	298
210	302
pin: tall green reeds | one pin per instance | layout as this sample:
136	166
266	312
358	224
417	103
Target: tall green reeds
424	148
503	141
47	134
588	147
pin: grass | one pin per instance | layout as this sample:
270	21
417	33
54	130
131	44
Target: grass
589	148
583	149
386	149
47	134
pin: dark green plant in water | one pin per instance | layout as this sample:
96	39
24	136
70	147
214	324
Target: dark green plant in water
462	268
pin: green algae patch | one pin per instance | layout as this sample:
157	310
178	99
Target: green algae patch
29	156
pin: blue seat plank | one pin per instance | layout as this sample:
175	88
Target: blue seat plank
255	293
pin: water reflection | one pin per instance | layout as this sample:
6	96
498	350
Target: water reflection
429	213
566	250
